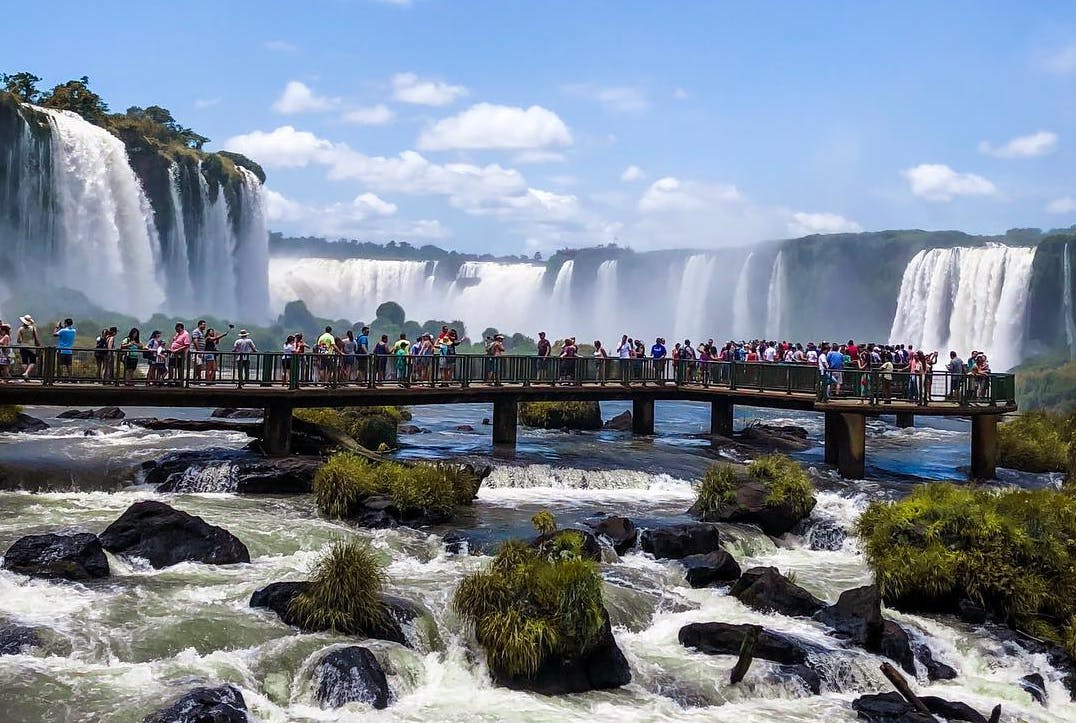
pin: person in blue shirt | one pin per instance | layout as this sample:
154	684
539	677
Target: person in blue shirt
65	341
659	352
836	364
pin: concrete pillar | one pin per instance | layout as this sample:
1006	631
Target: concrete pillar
505	421
276	429
984	446
851	443
831	434
642	416
905	420
721	417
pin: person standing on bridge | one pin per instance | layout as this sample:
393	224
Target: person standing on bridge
28	343
177	352
243	347
825	379
65	342
197	347
211	345
5	352
659	352
544	349
132	351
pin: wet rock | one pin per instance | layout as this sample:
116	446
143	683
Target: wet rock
767	590
619	423
674	543
408	429
971	612
69	557
936	670
952	710
223	704
592	549
726	638
350	675
24	423
225	470
15	638
376	512
277	596
825	535
773	438
753	506
102	413
487	422
165	536
601	668
464	428
457	542
619	531
1033	683
888	708
896	645
804	673
237	413
857	616
717	567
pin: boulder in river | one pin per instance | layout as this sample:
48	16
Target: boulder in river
20	422
1034	684
726	638
237	413
76	556
767	590
15	638
620	423
773	438
350	675
857	616
619	531
228	470
165	536
892	708
223	704
673	543
752	501
717	567
102	413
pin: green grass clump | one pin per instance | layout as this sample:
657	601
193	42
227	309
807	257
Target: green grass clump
1011	551
9	414
789	483
560	415
344	592
369	426
527	607
717	489
342	483
544	522
1037	442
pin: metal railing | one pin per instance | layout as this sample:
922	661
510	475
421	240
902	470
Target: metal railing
143	367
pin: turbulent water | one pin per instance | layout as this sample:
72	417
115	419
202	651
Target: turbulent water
966	299
123	647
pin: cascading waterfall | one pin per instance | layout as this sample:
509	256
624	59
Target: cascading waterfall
966	299
741	302
775	298
1067	306
560	301
692	295
508	297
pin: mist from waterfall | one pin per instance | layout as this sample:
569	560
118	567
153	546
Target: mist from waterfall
775	298
1066	303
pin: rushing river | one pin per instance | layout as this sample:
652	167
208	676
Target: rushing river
122	647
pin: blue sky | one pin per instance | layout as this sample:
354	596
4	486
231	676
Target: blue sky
515	127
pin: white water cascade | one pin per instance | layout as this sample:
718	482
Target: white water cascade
966	299
693	292
775	298
741	301
1067	305
105	242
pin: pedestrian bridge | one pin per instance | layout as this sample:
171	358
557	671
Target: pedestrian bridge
278	384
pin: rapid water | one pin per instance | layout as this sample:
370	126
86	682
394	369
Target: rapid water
775	299
966	299
122	647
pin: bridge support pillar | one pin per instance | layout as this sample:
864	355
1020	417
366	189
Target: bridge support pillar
905	420
721	417
845	446
276	429
505	421
984	446
642	416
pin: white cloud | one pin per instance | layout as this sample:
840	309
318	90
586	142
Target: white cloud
1067	204
632	173
679	94
377	115
618	99
939	182
488	126
1035	144
206	102
284	147
1062	61
538	156
409	88
805	224
299	98
672	194
365	216
279	46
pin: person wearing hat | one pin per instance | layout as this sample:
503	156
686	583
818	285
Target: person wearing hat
28	343
243	347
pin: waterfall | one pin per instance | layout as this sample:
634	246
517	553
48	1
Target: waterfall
560	302
775	300
508	297
741	300
251	253
604	304
693	291
966	299
1067	306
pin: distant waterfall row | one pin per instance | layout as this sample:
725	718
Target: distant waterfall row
75	213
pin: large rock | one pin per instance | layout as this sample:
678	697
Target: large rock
350	675
752	506
767	590
102	413
717	567
277	597
726	638
223	704
619	423
1035	686
226	470
619	531
773	438
892	708
897	646
673	543
15	638
165	536
600	668
857	616
70	557
237	413
24	423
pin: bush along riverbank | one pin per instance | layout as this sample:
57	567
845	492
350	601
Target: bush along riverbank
560	415
1039	442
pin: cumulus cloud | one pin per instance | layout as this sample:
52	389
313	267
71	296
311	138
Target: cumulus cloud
632	173
672	194
409	88
805	224
376	115
284	147
1035	144
618	99
299	98
489	126
939	182
365	216
206	102
538	156
1066	204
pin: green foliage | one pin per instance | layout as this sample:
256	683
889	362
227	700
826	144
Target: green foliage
544	522
22	85
717	489
76	96
344	592
240	160
788	482
1037	442
526	607
560	415
369	426
9	414
157	122
1011	551
391	313
1047	383
342	483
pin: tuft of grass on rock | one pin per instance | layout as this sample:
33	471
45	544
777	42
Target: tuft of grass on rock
1038	442
560	415
9	414
344	591
789	484
544	522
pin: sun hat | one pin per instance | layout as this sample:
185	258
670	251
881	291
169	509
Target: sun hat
244	332
27	320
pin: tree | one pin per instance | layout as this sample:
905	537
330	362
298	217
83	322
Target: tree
22	85
391	313
170	129
76	96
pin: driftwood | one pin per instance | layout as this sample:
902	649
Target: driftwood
747	651
995	715
898	681
304	427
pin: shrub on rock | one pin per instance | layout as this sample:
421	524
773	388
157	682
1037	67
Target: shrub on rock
369	426
1009	551
165	536
1037	442
69	557
560	415
774	493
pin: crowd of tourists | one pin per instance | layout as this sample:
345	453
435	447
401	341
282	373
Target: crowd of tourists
895	370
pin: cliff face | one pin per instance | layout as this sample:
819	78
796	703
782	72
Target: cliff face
1048	302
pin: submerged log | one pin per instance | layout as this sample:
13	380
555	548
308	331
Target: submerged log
747	652
898	681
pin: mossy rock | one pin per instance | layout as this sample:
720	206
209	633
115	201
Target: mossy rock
561	415
773	492
369	426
